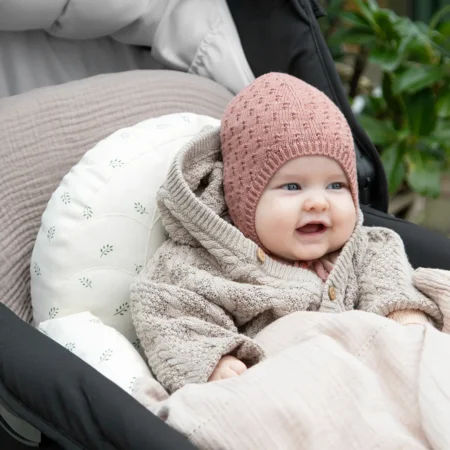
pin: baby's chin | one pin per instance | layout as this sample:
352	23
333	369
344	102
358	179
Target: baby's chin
304	256
290	252
308	254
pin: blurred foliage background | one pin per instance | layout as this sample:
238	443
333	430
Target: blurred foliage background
397	74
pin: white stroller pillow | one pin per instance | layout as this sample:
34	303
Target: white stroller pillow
101	224
103	347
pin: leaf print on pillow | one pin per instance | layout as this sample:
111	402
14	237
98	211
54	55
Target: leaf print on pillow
94	321
51	233
116	163
66	198
106	355
86	282
37	269
132	384
70	346
87	212
105	250
122	309
140	208
53	312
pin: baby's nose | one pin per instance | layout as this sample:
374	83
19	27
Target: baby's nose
316	201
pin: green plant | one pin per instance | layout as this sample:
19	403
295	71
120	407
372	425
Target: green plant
410	120
330	24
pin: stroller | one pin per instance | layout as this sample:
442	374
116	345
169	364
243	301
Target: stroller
49	398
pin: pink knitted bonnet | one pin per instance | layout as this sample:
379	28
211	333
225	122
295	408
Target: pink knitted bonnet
273	120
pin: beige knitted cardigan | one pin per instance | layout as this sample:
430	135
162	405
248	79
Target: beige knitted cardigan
208	290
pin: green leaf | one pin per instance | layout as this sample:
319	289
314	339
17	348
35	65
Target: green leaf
367	9
375	105
356	20
372	5
443	136
440	45
420	49
438	17
442	132
420	112
406	26
394	166
386	21
424	173
422	26
391	101
334	7
444	29
387	58
443	104
352	36
380	131
416	78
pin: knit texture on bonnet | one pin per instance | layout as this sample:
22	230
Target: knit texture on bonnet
275	119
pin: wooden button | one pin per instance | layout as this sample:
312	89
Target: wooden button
332	293
261	255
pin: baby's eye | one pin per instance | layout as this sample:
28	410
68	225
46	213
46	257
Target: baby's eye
291	187
336	186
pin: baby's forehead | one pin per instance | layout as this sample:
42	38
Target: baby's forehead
310	165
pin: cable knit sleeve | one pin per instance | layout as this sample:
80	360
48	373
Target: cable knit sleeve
184	334
386	285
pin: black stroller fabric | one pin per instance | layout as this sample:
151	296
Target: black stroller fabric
67	400
77	408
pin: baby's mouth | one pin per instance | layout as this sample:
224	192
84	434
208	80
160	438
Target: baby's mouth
312	228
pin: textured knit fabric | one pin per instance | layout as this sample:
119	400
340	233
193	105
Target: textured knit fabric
435	283
275	119
209	290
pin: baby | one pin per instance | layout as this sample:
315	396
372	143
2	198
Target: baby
263	220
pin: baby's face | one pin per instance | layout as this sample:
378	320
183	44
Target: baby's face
306	210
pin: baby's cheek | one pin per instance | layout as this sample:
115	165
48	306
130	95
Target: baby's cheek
276	214
344	229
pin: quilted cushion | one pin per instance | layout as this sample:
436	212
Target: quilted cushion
100	346
101	224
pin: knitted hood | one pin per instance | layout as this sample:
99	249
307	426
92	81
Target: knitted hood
194	212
